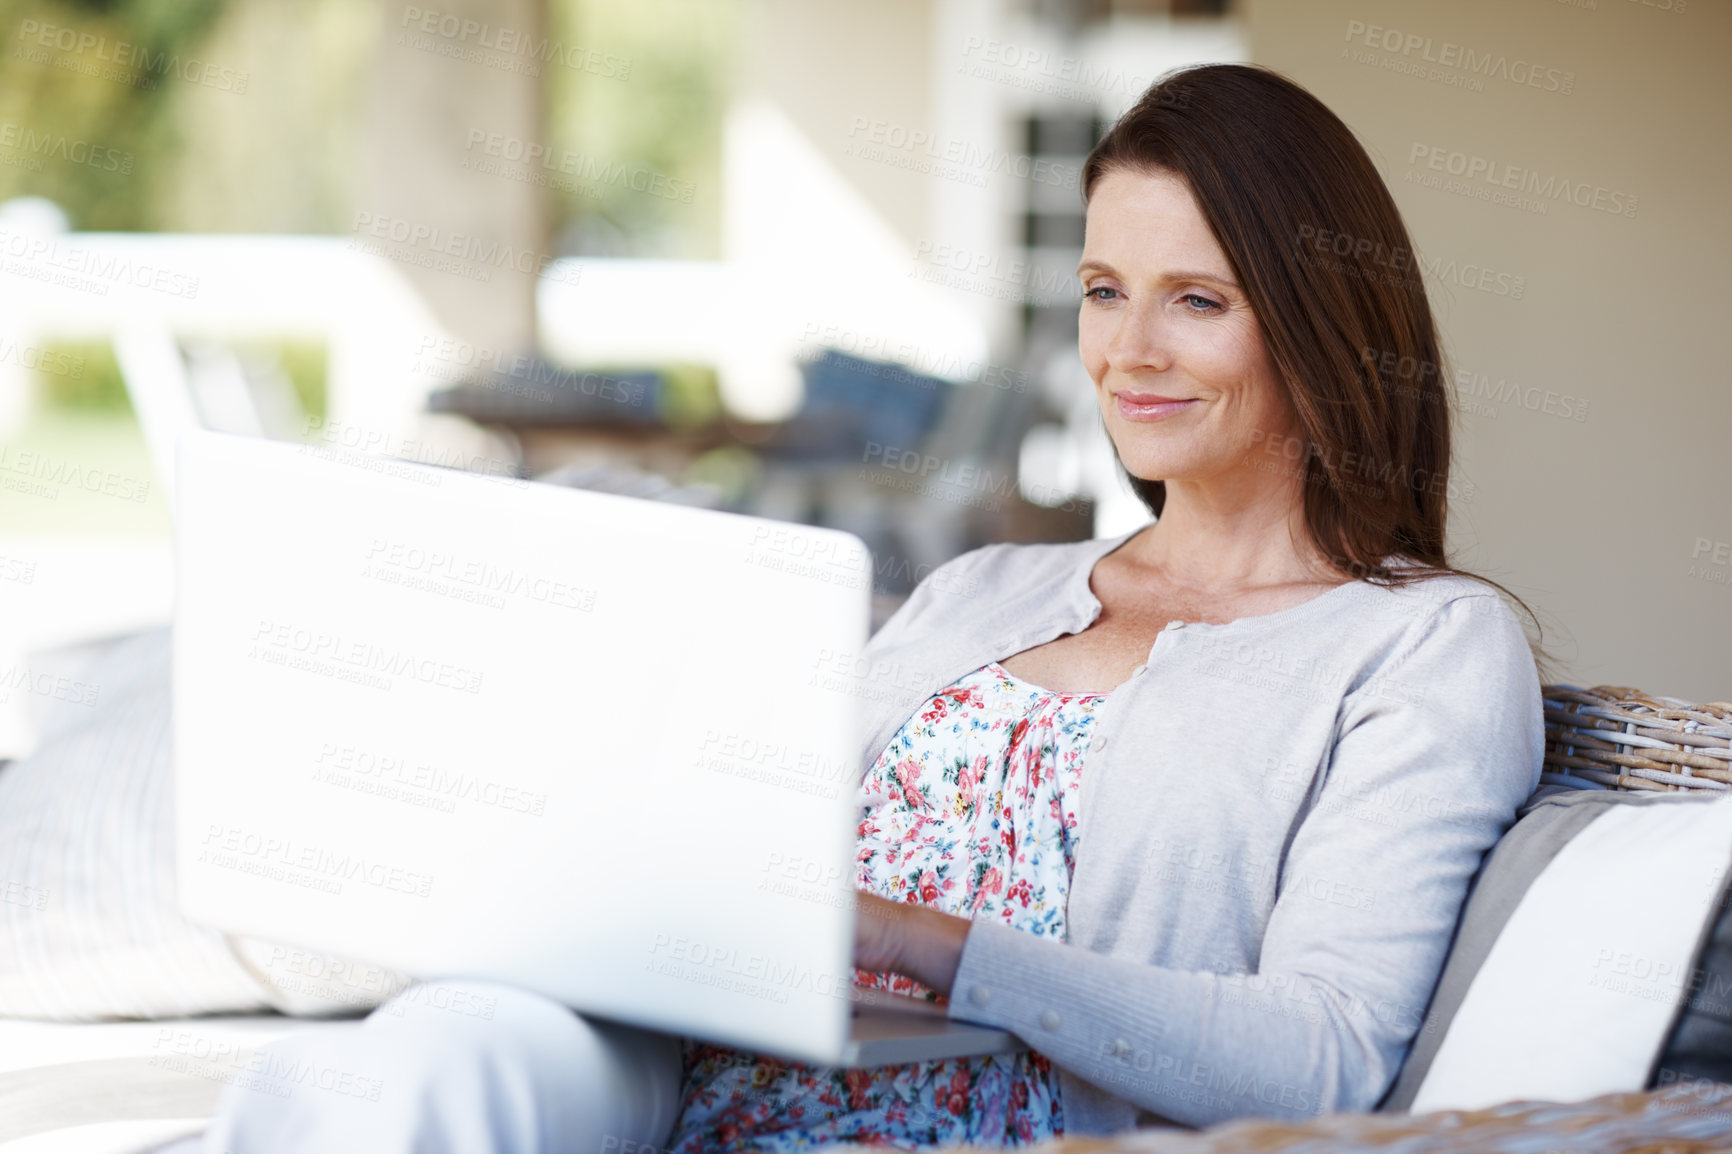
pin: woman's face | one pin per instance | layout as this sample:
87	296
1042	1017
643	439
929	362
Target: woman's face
1185	384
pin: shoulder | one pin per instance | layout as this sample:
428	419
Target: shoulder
1007	565
1422	604
1442	636
990	582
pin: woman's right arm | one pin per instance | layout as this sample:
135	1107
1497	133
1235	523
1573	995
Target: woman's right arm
1450	732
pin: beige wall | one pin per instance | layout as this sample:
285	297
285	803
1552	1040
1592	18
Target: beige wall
1608	525
826	63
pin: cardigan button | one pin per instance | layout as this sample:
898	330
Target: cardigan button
1120	1048
1099	741
979	995
1139	671
1049	1020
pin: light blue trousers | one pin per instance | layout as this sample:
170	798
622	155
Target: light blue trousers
458	1067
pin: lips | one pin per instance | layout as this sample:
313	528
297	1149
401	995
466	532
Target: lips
1151	406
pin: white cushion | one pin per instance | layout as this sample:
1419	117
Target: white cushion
1577	994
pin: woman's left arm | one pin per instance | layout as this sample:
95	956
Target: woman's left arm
1431	760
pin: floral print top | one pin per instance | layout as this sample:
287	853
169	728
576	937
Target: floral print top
971	809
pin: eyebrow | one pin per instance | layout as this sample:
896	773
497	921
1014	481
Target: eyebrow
1090	265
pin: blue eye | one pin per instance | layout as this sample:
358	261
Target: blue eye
1207	304
1094	293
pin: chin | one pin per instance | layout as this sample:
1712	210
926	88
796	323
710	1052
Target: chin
1145	456
1148	468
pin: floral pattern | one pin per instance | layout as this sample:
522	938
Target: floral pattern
971	809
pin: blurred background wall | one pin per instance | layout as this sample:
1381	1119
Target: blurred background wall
1604	503
813	259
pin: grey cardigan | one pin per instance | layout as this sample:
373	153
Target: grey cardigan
1279	820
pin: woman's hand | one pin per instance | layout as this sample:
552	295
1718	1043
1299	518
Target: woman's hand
898	937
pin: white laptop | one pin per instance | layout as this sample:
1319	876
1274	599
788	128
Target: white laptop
599	747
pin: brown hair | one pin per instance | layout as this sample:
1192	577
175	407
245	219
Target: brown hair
1319	247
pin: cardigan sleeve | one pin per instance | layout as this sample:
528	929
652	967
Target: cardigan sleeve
1439	745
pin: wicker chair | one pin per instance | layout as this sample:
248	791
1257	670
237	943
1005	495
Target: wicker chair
1611	737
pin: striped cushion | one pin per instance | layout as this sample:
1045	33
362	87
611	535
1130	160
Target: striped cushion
90	926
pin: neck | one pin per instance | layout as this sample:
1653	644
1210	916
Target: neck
1225	537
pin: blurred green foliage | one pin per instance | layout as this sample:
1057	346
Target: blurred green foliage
733	470
85	377
91	382
644	129
81	97
658	118
692	395
305	364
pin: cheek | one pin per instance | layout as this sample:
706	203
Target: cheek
1220	355
1242	361
1093	336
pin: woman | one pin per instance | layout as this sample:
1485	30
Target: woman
1194	809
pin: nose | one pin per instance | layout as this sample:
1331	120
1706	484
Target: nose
1139	343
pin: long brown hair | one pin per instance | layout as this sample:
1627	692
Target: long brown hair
1317	243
